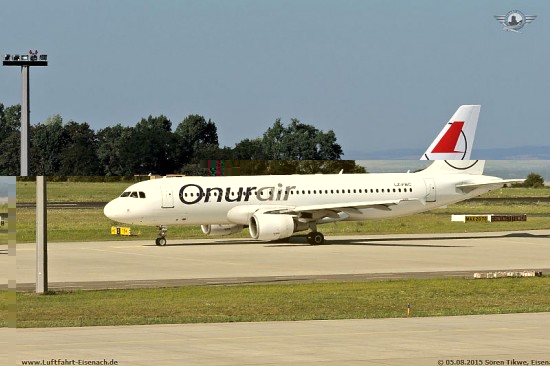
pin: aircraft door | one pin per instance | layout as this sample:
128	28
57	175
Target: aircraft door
167	197
430	189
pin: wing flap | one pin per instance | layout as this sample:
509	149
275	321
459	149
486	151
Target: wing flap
352	207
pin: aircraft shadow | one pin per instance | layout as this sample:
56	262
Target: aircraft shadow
389	242
221	242
300	240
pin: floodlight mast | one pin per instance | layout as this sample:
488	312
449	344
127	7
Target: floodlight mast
25	62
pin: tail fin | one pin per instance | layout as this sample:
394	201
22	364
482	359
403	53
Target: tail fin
456	139
474	167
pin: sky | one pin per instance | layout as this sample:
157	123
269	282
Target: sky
380	74
7	188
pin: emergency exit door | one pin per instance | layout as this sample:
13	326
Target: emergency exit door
430	189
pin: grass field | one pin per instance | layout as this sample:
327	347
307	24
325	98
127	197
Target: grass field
200	304
7	309
433	297
91	224
72	191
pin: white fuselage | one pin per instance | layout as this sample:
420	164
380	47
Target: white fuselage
214	200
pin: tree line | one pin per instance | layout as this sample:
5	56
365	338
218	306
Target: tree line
59	148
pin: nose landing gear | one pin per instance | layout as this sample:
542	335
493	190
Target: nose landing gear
161	240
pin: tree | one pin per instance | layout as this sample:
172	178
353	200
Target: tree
110	146
79	155
249	150
534	181
196	139
151	147
10	122
274	143
266	167
10	119
10	153
299	141
47	144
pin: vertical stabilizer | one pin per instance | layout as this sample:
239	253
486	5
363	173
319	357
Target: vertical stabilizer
456	139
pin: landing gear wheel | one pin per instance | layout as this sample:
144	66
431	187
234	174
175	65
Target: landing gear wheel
161	240
315	238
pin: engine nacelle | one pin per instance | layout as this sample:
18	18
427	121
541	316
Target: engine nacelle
220	230
271	226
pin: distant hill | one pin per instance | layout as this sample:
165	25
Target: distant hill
511	153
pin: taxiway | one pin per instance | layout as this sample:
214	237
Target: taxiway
123	264
408	341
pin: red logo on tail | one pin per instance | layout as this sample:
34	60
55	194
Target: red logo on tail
448	142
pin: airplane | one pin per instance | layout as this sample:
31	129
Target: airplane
276	206
456	139
457	132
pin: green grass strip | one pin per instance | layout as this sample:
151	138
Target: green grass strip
252	303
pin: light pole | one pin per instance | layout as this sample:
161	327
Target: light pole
25	61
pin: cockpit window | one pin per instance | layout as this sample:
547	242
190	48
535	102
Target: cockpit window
133	194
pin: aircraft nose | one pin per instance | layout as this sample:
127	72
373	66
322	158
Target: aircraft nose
113	210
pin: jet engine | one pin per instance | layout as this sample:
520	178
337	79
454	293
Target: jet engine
220	230
271	226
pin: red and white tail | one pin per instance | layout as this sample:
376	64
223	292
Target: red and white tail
456	139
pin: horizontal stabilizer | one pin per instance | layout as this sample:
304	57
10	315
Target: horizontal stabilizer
468	187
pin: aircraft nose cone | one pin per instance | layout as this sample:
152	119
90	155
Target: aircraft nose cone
113	210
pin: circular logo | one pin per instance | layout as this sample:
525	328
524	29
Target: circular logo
460	164
515	20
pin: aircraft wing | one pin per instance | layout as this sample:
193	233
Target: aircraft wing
341	206
468	187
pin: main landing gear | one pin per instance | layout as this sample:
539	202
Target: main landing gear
315	238
161	240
